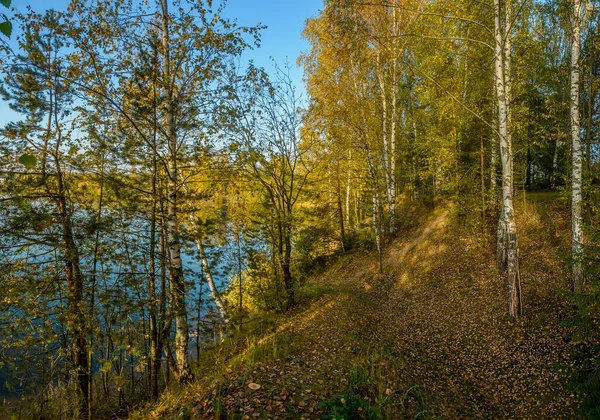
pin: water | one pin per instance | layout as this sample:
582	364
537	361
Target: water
121	285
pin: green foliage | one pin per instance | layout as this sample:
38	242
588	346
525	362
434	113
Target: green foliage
584	323
584	328
361	239
348	406
28	161
586	378
6	26
311	246
261	289
175	142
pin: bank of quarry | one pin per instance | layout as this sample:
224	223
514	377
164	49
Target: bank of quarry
429	338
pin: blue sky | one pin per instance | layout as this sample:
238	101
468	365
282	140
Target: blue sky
281	40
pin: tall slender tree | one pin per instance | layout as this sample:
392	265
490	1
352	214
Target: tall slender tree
577	239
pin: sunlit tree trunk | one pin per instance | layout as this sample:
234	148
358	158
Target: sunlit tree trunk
340	211
348	188
413	160
175	266
507	245
238	243
385	134
377	229
391	188
330	207
577	165
493	168
211	283
286	268
482	179
508	25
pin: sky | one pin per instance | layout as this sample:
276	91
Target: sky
281	39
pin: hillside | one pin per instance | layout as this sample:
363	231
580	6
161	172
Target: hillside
428	339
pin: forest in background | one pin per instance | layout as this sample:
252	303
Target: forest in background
150	161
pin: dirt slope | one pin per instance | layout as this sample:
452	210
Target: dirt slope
427	339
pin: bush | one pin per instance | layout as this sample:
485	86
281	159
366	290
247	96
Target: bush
584	326
261	290
363	240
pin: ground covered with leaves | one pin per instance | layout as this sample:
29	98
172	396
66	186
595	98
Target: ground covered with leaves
427	339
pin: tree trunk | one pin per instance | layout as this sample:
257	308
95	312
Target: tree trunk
482	177
175	267
331	212
507	245
392	139
576	177
74	277
555	164
214	292
377	229
494	158
357	212
93	292
413	160
590	114
163	324
238	240
459	213
385	139
76	321
288	280
340	211
348	188
528	172
508	24
154	350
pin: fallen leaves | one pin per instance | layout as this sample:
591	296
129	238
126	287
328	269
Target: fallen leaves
444	330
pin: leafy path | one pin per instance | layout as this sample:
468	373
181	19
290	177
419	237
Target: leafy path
427	339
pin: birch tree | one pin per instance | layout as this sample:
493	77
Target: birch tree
507	245
577	239
177	280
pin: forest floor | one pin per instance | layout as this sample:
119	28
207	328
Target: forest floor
429	338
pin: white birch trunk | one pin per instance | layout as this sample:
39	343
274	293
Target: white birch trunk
377	229
391	187
576	176
508	77
330	201
348	188
494	159
356	210
413	169
184	373
386	148
507	245
214	292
